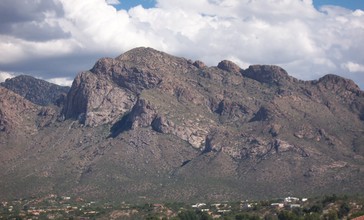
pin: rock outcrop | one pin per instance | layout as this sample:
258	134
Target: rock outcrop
229	66
269	74
338	84
96	100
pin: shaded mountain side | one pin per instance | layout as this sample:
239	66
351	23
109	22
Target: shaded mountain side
20	122
14	111
18	115
149	126
37	91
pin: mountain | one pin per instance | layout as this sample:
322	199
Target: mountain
35	90
149	126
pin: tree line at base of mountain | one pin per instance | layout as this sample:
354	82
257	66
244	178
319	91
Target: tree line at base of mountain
331	207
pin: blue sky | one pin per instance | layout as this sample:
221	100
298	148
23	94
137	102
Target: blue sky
350	4
127	4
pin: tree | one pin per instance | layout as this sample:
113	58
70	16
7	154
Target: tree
245	216
287	215
205	216
343	210
329	199
332	215
188	215
152	217
270	217
316	208
312	216
357	214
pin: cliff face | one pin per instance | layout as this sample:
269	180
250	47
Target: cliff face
149	123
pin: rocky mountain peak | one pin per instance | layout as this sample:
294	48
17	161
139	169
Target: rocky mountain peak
337	83
229	66
103	65
95	95
151	59
142	55
268	74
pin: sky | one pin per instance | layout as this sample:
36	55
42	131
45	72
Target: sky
57	39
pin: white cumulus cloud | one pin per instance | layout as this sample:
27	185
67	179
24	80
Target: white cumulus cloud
113	2
6	75
354	67
62	81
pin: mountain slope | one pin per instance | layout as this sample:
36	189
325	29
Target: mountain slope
151	125
35	90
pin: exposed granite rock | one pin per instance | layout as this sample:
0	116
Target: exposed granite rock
142	114
275	129
306	131
163	125
328	139
263	114
269	74
257	150
199	64
134	78
229	66
338	84
188	131
232	109
216	140
300	150
95	101
112	86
